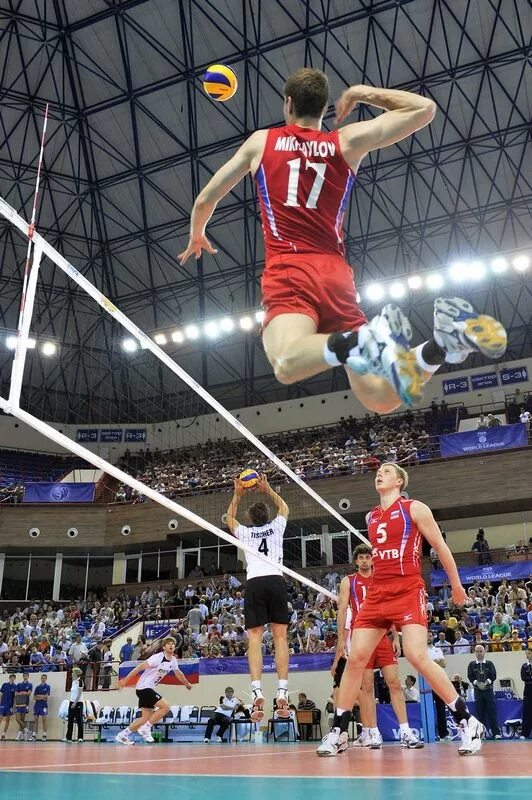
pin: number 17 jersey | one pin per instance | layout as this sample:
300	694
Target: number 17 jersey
267	540
304	184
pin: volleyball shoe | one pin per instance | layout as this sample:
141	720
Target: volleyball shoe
333	743
460	330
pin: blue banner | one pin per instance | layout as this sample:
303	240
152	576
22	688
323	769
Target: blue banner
154	630
59	492
511	570
455	385
239	665
111	435
485	381
87	435
514	375
135	435
500	438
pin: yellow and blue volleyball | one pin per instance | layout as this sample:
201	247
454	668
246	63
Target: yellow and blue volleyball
249	478
220	82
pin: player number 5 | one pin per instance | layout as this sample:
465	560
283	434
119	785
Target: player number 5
381	533
293	180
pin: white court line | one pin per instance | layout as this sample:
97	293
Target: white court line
296	777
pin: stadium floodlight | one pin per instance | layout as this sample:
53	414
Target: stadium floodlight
246	323
521	263
259	316
178	337
49	349
129	345
476	270
160	338
192	332
414	282
32	344
211	329
397	290
11	342
434	281
458	271
227	325
499	265
374	292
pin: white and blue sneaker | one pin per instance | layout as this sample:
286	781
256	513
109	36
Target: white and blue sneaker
333	743
472	732
384	350
460	330
411	740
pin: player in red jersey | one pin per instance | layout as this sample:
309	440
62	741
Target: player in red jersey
397	597
353	590
304	177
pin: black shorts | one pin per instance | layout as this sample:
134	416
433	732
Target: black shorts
266	600
339	672
148	698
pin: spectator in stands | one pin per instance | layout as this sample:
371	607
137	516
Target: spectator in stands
126	651
410	690
516	644
482	674
222	715
460	685
481	546
526	677
442	643
499	628
461	644
78	650
493	422
482	422
445	592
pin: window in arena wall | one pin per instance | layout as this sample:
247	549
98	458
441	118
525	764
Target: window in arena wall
312	551
228	559
132	569
15	583
41	583
340	549
100	574
73	578
150	566
292	552
168	565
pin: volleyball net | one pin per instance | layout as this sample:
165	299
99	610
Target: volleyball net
91	396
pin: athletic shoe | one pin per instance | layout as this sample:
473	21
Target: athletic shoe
80	741
375	741
20	736
411	740
364	740
257	711
281	701
460	330
33	737
206	741
333	743
145	732
3	737
384	350
497	736
471	732
44	737
124	738
218	739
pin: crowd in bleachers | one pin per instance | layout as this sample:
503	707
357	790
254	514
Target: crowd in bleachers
18	467
350	448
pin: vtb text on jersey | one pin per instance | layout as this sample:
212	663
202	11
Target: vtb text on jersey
266	539
304	184
395	540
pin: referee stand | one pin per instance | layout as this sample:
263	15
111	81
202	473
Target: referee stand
428	722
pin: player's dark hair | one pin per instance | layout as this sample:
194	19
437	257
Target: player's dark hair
259	514
362	550
309	90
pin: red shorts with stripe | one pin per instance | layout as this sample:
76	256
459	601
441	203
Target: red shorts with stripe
319	285
383	655
400	602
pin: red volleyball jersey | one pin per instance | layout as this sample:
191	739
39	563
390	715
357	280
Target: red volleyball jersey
303	184
358	588
395	540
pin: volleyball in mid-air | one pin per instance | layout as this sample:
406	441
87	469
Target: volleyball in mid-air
220	82
249	478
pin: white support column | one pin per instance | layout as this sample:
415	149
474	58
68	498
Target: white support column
57	576
326	544
119	568
2	564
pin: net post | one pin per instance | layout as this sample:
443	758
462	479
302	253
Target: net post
26	311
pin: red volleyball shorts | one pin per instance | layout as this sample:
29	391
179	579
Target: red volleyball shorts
383	655
394	602
319	285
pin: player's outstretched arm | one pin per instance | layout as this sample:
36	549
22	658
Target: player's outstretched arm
219	185
232	522
406	113
280	505
182	678
134	672
426	524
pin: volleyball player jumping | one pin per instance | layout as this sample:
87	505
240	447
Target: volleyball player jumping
313	322
396	596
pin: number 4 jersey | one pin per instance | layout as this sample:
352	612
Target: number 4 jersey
395	540
266	539
304	185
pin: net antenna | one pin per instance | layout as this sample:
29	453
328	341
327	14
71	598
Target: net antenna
40	247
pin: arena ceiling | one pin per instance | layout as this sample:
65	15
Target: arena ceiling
132	137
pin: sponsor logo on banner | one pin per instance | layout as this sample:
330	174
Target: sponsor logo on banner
514	375
111	435
485	381
87	435
501	438
135	435
455	385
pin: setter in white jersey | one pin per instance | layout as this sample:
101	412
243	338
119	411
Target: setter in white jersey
266	598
